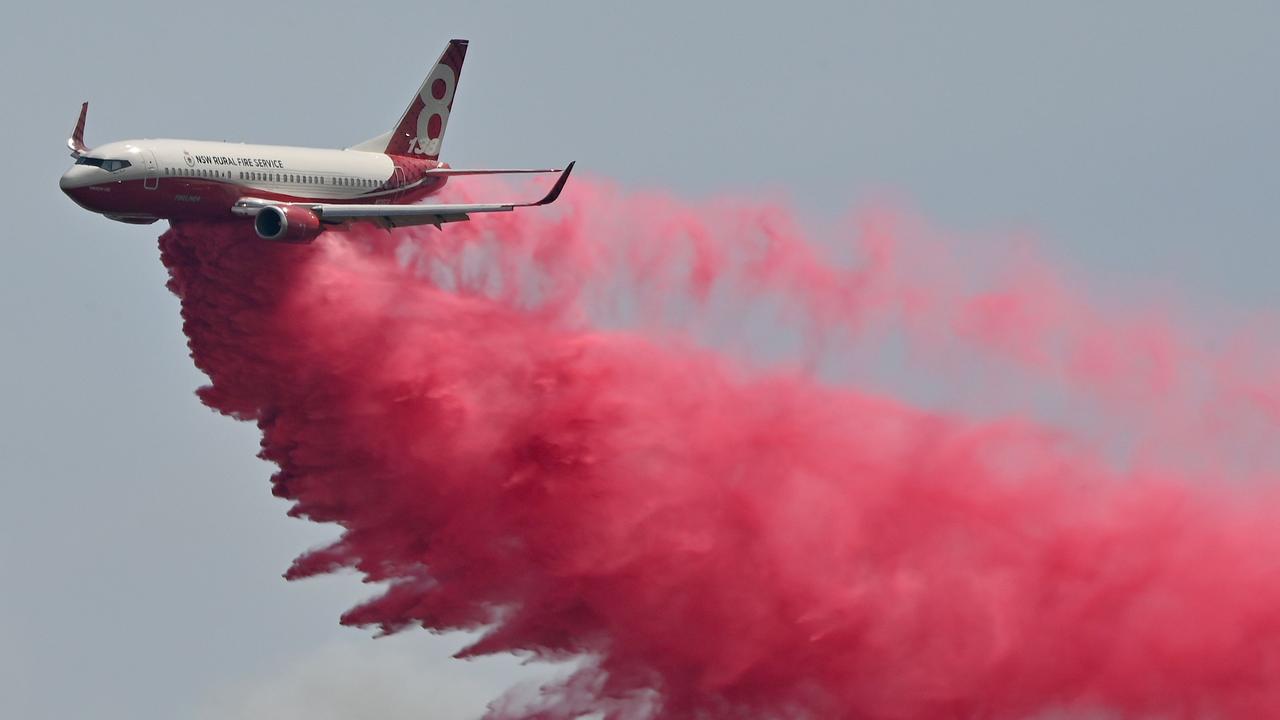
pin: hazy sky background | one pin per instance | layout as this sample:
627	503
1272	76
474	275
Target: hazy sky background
140	547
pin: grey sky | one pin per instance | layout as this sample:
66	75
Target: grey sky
141	549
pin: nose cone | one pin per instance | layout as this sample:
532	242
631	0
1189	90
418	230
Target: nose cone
75	183
76	177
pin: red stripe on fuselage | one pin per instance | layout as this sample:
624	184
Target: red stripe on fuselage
194	198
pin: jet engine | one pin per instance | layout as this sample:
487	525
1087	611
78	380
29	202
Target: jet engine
286	223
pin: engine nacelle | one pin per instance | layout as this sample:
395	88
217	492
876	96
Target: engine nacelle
286	223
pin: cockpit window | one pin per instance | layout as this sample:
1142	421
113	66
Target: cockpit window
108	165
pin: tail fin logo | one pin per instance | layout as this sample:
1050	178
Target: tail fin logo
437	97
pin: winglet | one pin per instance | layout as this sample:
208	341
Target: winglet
555	189
76	142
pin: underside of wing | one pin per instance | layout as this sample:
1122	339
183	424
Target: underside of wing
402	215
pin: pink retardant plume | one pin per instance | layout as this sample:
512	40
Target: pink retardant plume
713	537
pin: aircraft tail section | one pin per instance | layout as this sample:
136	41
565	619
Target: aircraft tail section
420	131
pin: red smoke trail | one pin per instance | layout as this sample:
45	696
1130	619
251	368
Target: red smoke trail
721	540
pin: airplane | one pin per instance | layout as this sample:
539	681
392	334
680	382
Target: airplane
292	194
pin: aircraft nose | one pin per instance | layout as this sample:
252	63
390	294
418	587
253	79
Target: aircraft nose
73	178
75	184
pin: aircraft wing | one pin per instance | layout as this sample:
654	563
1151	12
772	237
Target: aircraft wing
451	172
390	216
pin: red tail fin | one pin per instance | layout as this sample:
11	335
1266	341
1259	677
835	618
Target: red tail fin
420	131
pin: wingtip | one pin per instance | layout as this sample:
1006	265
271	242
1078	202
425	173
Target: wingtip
558	187
76	141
